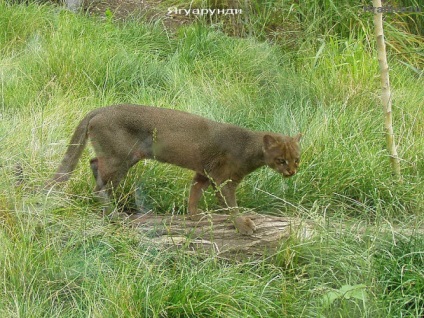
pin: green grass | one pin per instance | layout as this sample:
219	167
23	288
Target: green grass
59	259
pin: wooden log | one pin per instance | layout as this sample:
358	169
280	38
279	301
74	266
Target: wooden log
215	234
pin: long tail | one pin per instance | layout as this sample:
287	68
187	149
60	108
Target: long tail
74	151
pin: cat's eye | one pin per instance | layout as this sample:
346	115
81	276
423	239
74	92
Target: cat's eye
281	161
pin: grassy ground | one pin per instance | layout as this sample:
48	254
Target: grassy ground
58	258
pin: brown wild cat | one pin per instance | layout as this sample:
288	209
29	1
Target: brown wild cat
220	154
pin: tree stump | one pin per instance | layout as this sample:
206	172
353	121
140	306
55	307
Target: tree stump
215	233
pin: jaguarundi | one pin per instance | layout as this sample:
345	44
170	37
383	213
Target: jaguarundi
220	154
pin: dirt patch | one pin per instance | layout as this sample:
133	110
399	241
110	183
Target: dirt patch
122	10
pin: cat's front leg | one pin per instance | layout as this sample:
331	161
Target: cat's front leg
199	184
227	194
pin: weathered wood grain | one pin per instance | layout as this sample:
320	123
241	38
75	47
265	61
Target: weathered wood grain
215	234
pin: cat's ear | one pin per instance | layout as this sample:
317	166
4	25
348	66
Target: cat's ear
270	142
298	137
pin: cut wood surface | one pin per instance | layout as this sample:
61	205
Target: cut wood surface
215	233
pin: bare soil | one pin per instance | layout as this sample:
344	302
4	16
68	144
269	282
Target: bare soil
150	10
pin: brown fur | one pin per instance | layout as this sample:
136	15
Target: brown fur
220	154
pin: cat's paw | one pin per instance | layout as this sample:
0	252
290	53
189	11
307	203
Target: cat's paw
244	225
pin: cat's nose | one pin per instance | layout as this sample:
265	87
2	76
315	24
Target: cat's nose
291	172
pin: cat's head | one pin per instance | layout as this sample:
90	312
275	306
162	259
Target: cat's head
282	153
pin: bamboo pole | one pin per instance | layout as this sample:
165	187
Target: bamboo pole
385	89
